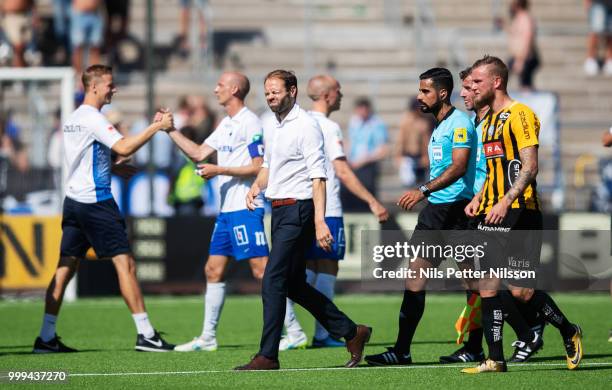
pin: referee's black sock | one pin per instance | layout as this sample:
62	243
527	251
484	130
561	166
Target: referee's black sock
411	312
492	325
513	316
544	304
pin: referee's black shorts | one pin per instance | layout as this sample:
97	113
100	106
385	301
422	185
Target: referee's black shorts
440	224
98	225
515	244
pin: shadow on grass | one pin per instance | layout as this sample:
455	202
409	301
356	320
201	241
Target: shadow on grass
562	358
22	353
391	343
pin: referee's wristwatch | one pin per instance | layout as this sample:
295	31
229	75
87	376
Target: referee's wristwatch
425	190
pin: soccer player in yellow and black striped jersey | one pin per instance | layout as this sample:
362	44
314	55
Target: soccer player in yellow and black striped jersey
508	202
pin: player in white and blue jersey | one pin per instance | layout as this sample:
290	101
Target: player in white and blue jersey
452	158
322	266
90	216
238	233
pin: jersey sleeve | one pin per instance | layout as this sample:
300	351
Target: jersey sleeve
254	138
334	148
525	126
463	134
104	132
213	139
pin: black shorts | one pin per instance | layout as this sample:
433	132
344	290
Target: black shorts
439	225
514	245
98	225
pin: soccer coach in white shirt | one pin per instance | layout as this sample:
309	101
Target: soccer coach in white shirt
294	174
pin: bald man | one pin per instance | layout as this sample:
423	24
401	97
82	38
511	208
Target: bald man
322	266
238	233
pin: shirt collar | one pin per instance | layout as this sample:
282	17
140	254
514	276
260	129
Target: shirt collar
448	114
293	114
317	113
242	111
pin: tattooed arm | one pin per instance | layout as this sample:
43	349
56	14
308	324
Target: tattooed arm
526	176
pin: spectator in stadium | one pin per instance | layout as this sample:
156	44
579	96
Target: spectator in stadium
185	14
117	12
183	112
18	151
522	43
203	119
606	139
86	30
367	147
186	189
411	147
61	22
600	25
18	17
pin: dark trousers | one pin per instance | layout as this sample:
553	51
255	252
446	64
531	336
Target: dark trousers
285	276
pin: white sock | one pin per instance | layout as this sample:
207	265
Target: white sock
311	277
292	325
143	326
325	284
47	330
214	298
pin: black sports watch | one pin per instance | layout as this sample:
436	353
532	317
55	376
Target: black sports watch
425	190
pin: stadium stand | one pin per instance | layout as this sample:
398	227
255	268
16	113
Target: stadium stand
375	48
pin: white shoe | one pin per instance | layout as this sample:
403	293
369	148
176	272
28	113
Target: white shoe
607	69
591	67
198	344
293	341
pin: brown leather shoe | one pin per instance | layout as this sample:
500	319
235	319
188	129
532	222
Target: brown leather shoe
356	344
259	362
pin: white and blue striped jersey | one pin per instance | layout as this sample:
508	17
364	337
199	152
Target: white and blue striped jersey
88	139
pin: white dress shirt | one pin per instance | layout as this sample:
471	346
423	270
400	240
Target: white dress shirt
293	154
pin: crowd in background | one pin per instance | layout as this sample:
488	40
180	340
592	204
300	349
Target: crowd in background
86	30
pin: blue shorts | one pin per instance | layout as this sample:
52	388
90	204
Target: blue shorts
600	19
86	29
98	225
239	234
336	227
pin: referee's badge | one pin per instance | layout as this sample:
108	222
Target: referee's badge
460	135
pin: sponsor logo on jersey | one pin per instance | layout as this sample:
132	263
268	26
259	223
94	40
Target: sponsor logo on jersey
493	149
514	167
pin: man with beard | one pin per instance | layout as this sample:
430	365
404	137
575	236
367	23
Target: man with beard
509	202
452	156
293	176
91	217
322	266
523	320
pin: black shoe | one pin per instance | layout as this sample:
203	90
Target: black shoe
154	344
52	346
462	355
389	358
524	351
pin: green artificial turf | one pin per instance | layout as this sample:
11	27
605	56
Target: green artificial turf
104	331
